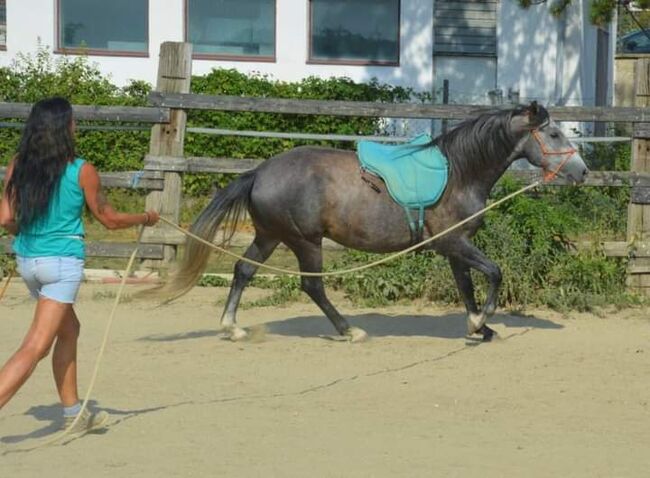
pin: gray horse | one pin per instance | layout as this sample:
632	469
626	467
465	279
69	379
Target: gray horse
303	195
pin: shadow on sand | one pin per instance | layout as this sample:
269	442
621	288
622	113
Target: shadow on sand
450	326
50	416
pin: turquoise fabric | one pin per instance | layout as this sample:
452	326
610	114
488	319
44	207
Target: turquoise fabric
60	231
415	176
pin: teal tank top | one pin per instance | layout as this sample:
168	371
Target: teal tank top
60	232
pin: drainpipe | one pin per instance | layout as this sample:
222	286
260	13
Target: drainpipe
559	60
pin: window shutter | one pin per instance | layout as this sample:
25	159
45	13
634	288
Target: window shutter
465	27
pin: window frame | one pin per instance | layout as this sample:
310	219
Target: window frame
222	57
3	46
59	49
350	62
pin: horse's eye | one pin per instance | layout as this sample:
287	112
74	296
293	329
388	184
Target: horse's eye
554	135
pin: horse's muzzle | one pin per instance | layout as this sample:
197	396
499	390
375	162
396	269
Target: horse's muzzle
575	170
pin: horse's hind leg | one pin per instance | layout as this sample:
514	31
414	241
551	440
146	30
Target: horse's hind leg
310	258
470	257
260	250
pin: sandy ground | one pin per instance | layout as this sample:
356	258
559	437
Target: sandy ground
555	396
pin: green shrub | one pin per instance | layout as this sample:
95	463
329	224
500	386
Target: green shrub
34	77
531	239
232	82
37	76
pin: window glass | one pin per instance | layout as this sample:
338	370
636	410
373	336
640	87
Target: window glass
358	30
115	25
636	43
232	27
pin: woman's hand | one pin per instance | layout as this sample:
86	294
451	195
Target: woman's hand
151	218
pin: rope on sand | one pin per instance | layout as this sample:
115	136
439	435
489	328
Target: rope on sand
6	286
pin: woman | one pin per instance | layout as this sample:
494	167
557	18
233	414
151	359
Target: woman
46	187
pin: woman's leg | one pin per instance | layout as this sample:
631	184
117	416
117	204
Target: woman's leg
48	319
64	359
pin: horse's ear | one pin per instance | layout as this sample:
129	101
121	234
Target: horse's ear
536	114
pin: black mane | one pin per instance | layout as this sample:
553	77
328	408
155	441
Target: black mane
483	143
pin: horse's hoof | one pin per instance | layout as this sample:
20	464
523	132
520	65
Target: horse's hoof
488	333
356	335
237	334
475	322
234	333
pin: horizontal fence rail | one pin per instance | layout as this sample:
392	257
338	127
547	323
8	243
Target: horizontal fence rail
85	127
386	110
296	136
193	164
133	114
351	137
127	179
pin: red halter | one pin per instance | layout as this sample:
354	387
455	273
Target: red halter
550	174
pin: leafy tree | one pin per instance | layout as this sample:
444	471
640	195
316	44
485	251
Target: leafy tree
601	13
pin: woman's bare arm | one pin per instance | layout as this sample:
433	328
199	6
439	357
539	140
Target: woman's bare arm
100	207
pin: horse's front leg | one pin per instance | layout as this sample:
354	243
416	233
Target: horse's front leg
464	257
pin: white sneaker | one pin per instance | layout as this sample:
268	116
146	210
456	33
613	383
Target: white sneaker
87	422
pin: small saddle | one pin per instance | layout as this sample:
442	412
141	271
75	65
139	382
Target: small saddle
415	173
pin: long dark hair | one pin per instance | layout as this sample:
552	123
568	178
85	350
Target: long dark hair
46	146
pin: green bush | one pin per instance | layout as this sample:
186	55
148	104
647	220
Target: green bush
232	82
37	76
34	77
531	239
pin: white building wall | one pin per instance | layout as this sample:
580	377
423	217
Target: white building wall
470	78
166	19
552	60
539	56
527	51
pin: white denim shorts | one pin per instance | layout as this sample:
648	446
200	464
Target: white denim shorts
56	278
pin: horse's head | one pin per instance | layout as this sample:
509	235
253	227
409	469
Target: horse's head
544	145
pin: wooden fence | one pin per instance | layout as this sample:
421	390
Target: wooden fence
165	164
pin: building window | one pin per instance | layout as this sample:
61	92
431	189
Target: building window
3	24
465	28
231	29
354	31
104	27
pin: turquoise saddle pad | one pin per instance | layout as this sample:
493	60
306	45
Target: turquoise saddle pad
415	176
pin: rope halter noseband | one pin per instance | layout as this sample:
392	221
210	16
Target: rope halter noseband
549	173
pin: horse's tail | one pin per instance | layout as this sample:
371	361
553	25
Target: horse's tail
228	206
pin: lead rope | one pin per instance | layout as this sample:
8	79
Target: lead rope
358	268
129	266
6	286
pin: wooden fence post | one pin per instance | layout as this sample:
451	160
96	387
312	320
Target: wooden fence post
638	219
174	76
